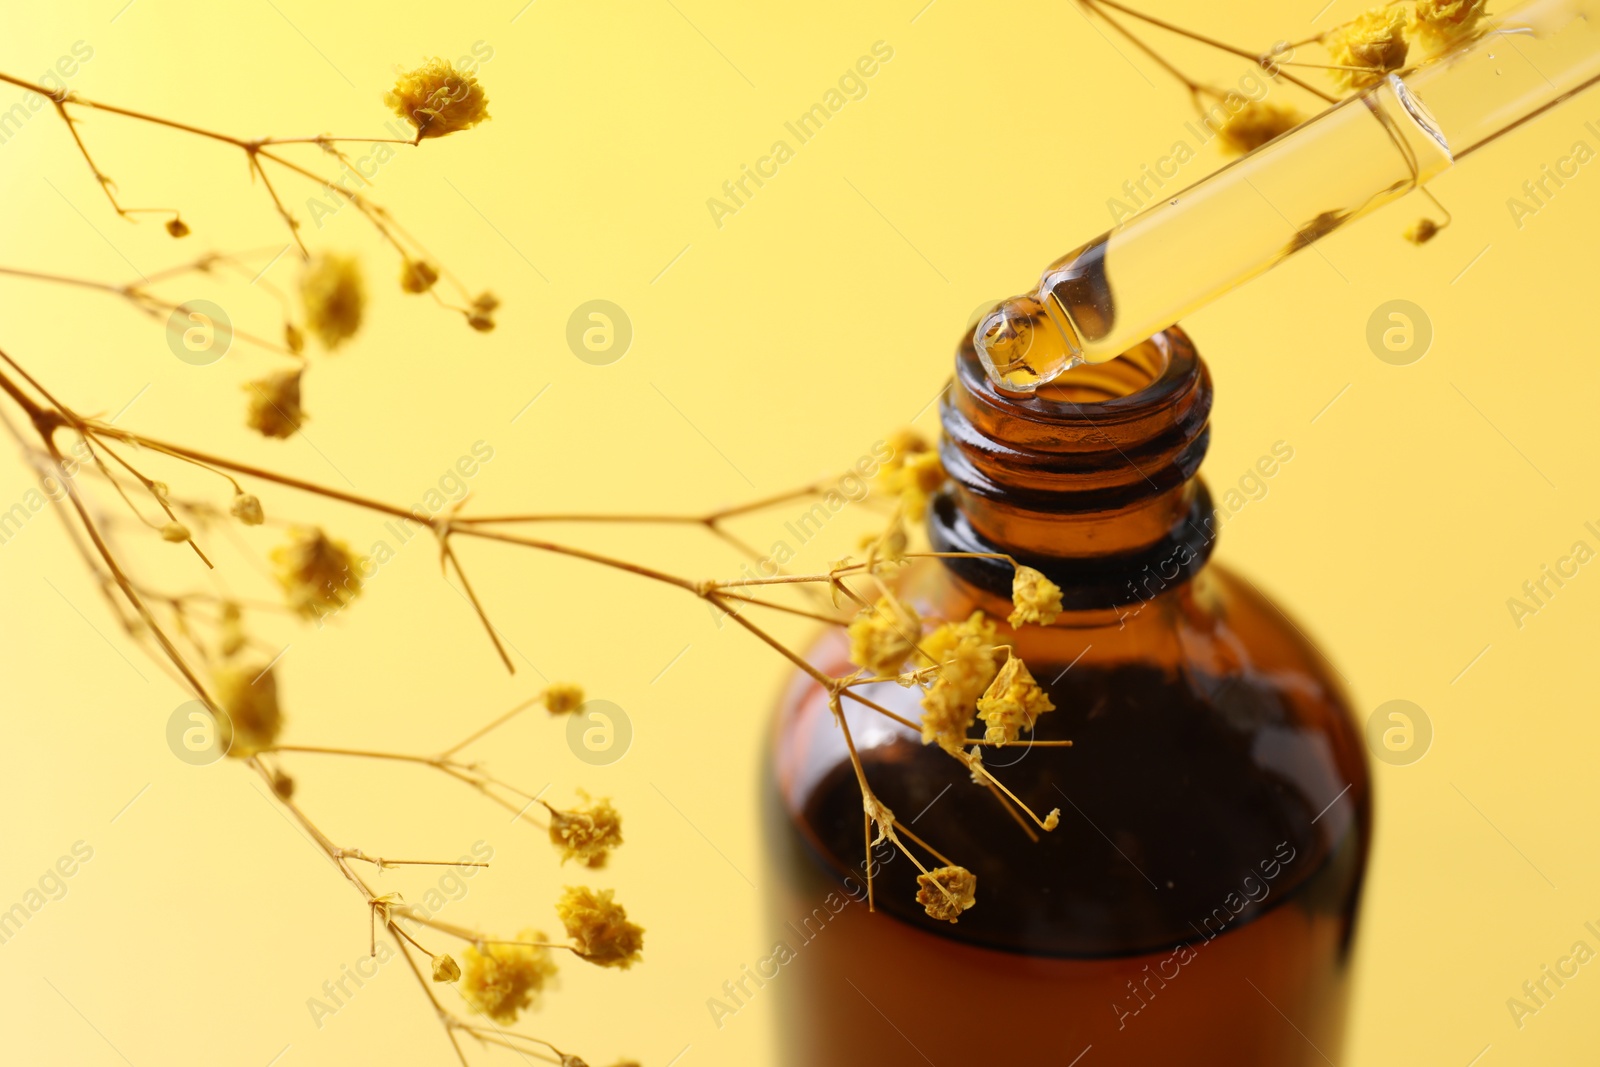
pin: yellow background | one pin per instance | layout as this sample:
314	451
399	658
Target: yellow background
767	352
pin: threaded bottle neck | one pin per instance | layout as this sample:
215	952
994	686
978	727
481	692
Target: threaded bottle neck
1091	479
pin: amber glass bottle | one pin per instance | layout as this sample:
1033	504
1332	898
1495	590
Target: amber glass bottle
1197	902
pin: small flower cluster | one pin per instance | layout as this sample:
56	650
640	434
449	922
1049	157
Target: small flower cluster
503	980
318	574
274	409
599	927
1379	41
247	695
946	892
882	636
438	99
966	674
1255	124
562	698
1370	47
912	472
588	833
334	298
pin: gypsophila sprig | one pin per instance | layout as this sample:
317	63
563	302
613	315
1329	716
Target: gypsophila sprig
214	644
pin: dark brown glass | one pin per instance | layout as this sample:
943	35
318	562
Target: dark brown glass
1197	902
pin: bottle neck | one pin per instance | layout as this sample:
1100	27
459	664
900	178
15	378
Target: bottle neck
1091	480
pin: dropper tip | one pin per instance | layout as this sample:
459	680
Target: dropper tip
1020	347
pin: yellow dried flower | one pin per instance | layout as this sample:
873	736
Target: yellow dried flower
283	785
334	297
176	532
438	99
600	927
445	968
1012	703
417	276
1441	23
248	694
890	545
319	575
275	404
177	227
975	766
293	339
1255	124
1034	598
563	697
1377	39
233	637
912	472
587	833
1422	231
481	315
502	980
882	636
964	654
246	507
947	892
1052	820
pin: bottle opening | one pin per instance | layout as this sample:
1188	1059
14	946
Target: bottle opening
1096	383
1089	479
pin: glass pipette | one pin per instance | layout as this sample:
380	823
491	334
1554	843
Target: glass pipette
1365	151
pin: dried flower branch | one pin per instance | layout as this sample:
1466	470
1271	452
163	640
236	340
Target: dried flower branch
1360	53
